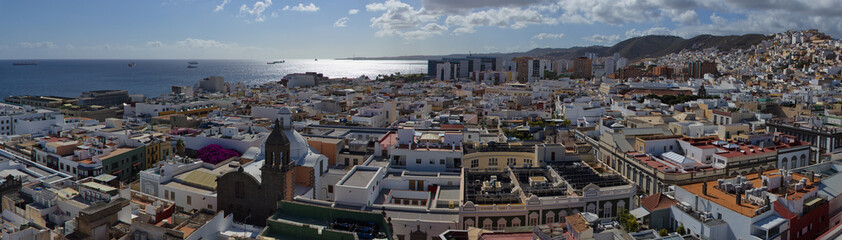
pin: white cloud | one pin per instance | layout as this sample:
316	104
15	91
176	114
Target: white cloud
302	8
353	11
651	31
257	10
506	17
154	44
342	22
204	44
42	44
542	36
401	19
599	38
740	16
221	6
455	6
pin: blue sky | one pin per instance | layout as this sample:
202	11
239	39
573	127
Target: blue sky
275	29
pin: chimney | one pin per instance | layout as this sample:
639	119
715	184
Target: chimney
812	177
705	188
739	198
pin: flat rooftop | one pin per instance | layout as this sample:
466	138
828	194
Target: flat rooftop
728	200
360	177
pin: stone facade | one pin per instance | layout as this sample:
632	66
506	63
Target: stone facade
251	200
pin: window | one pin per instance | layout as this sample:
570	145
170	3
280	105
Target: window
511	161
474	163
330	188
166	194
441	161
210	207
418	161
492	161
172	196
189	200
239	190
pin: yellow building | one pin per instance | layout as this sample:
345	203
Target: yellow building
158	149
500	156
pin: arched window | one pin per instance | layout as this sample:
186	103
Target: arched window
803	160
487	224
606	210
239	189
469	223
794	163
784	163
621	205
549	217
533	219
501	224
591	208
516	222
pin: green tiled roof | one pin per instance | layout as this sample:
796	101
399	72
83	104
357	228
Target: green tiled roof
200	178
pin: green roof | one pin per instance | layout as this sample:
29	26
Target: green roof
105	178
200	178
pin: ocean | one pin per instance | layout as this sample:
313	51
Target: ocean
69	78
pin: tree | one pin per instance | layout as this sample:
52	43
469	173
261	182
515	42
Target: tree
179	147
663	232
565	123
680	229
628	221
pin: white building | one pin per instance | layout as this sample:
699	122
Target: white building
17	120
446	71
213	84
190	184
428	151
295	80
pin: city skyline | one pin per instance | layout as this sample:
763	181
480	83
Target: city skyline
266	29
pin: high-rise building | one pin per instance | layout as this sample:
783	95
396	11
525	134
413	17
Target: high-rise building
582	67
662	71
462	67
698	69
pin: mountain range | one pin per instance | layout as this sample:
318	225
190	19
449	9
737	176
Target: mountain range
635	48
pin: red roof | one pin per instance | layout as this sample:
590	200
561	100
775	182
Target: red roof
656	201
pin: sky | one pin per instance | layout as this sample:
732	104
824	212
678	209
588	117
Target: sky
275	29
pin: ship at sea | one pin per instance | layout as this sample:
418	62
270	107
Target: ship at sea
192	66
24	64
192	62
276	62
132	64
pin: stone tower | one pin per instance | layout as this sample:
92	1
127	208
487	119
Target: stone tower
278	170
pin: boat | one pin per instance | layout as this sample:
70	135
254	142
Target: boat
132	64
193	62
24	64
316	59
275	62
192	66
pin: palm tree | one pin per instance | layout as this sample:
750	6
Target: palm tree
179	147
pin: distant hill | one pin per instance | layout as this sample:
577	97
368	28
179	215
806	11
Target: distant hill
633	48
